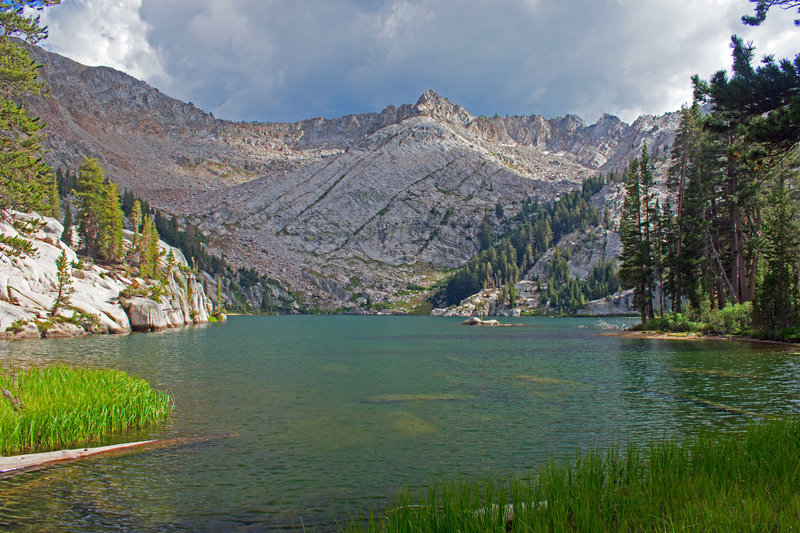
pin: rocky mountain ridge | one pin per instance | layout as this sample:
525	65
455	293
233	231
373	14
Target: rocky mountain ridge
345	209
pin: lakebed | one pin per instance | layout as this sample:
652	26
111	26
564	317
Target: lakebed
331	415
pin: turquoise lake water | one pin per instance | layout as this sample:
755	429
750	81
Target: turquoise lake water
332	415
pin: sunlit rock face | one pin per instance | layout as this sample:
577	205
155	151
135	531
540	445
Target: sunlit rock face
29	289
338	209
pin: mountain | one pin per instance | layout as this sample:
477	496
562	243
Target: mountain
347	210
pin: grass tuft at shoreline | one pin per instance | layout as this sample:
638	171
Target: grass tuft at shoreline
59	406
716	481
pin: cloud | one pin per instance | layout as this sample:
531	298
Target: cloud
277	60
100	32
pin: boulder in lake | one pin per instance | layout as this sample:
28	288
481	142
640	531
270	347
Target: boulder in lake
475	321
145	314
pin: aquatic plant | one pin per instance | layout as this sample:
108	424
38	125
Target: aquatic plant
715	481
59	406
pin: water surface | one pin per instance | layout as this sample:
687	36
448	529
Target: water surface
334	414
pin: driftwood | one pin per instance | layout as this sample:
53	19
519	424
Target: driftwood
19	463
16	403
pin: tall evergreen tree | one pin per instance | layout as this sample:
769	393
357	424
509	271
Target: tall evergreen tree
110	245
89	193
776	300
136	221
637	231
682	158
632	270
99	212
149	251
25	178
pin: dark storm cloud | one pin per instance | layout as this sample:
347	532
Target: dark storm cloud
277	60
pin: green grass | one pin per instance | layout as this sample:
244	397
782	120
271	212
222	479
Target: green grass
60	406
717	481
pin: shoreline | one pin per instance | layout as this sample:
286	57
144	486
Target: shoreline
19	463
14	464
690	336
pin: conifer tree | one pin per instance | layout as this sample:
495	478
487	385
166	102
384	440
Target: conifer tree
136	221
99	212
66	235
90	193
149	251
64	280
111	247
776	297
25	178
636	229
683	150
763	6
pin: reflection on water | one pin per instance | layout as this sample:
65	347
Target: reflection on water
334	414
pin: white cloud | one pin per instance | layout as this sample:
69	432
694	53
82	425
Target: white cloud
288	60
109	33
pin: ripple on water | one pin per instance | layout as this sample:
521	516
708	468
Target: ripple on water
335	414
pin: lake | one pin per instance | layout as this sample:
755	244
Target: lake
332	415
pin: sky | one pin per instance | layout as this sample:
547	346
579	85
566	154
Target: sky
287	60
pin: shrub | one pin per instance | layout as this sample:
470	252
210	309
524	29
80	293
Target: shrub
733	318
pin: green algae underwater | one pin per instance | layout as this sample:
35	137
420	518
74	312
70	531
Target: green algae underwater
335	414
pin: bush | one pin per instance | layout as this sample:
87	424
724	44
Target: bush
731	319
674	323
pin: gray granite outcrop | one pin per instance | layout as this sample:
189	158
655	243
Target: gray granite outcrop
28	289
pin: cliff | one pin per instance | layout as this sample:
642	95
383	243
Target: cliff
342	209
106	299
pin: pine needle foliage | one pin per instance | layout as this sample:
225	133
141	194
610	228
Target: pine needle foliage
26	181
99	212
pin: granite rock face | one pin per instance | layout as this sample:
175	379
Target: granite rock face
363	204
28	289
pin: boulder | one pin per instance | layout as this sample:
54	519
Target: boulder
63	330
475	321
145	314
29	285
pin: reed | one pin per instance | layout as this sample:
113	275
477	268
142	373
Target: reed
716	481
60	406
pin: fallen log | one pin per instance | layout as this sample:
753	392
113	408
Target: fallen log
19	463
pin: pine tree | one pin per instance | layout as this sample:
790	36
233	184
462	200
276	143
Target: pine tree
650	216
89	193
149	251
111	244
25	178
136	221
636	229
763	6
64	280
775	307
54	200
683	150
219	294
66	235
99	212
